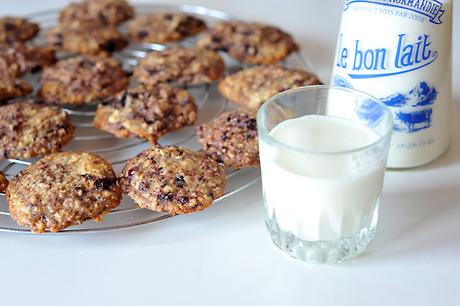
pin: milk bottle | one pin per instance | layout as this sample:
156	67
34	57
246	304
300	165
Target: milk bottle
400	52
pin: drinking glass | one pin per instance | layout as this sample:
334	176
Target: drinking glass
322	205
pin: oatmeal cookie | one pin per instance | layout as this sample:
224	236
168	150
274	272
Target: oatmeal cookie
3	182
164	27
146	112
251	87
61	190
12	88
18	59
16	29
231	139
83	79
99	41
105	12
251	43
29	129
56	33
180	65
173	180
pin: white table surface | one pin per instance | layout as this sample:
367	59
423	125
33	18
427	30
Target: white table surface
224	256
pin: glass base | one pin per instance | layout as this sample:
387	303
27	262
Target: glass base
325	252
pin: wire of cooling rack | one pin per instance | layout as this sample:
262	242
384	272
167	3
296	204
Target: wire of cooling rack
126	209
117	151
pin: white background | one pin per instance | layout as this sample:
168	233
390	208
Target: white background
224	256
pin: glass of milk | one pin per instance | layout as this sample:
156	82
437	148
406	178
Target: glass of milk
323	153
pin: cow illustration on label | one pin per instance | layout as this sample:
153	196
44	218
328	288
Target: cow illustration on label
413	112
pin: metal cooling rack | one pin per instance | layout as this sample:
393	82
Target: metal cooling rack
117	151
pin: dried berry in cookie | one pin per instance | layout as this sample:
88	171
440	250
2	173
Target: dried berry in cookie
81	80
107	12
3	182
252	43
28	129
18	59
173	180
164	27
251	87
12	88
146	112
16	29
180	65
99	41
61	190
231	139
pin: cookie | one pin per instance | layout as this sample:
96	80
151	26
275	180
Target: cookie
251	43
81	80
146	112
61	190
231	139
180	65
56	33
100	41
3	182
173	180
164	27
105	12
14	29
13	88
251	87
18	59
29	129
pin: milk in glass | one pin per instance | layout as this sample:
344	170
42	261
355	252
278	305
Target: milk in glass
326	195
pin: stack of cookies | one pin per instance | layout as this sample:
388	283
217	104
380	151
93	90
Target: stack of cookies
67	188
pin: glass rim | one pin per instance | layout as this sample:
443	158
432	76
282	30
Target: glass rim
263	131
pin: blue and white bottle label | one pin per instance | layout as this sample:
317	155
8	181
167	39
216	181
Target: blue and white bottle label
400	52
